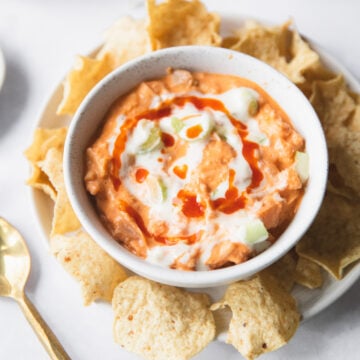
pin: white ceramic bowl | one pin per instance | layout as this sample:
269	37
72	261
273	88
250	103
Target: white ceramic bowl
90	115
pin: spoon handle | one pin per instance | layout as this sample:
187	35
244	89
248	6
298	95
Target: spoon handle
42	330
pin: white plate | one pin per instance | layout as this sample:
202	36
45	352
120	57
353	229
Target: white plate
2	68
310	302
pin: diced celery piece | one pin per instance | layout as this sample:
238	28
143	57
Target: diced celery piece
255	232
302	165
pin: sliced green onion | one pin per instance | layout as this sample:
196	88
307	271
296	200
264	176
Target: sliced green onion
177	124
253	107
163	189
157	189
221	131
245	104
220	191
153	142
205	122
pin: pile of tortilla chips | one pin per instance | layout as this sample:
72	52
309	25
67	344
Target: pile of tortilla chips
97	272
163	322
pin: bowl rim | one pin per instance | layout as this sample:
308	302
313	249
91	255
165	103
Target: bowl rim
194	278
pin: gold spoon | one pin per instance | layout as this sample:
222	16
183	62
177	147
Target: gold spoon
14	271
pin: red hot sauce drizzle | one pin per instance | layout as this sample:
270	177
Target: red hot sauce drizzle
194	131
167	139
181	171
232	201
190	206
141	175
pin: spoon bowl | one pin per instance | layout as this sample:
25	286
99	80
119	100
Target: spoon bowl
15	266
15	260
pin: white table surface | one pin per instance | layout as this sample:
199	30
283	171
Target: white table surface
39	39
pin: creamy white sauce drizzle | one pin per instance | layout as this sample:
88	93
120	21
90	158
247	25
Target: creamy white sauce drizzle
158	99
237	101
166	255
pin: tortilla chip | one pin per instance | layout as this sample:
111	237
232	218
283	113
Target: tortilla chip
97	272
340	116
332	102
229	41
265	316
336	184
222	319
344	152
280	47
159	321
42	183
43	140
64	219
85	74
283	271
308	274
303	59
353	123
182	22
318	72
124	41
333	241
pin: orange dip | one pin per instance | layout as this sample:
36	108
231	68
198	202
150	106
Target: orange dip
196	171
